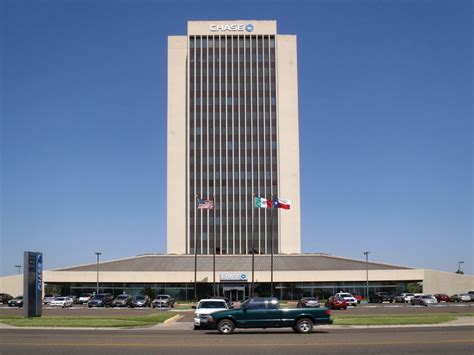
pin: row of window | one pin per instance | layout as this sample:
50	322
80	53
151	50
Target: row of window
232	41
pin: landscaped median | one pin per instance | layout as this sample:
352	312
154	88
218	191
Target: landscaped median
396	319
88	322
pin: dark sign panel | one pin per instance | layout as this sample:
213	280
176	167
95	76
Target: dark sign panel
32	284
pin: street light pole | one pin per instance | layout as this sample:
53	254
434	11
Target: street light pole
19	269
98	253
366	253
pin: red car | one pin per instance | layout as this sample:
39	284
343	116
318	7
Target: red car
441	297
358	298
336	303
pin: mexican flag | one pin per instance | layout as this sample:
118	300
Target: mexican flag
260	202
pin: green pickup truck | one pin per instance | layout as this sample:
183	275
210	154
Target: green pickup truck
266	313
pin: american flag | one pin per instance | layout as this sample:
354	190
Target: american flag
205	204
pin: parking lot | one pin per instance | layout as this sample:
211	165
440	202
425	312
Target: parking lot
376	308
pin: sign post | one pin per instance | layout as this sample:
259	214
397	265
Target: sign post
32	284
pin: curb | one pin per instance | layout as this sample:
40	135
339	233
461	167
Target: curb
172	319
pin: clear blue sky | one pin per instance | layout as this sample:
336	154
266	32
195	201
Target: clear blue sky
385	99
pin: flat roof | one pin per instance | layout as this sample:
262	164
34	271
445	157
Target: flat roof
297	262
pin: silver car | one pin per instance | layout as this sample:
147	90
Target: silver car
424	300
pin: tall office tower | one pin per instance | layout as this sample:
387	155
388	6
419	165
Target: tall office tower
232	135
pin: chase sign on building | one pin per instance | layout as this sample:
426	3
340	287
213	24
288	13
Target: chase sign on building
234	27
233	276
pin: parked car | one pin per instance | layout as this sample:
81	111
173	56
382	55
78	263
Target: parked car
16	302
308	302
336	303
75	299
85	297
141	301
460	297
250	315
205	307
403	298
380	297
358	298
101	300
163	301
471	294
5	297
62	302
48	298
351	301
122	301
441	297
424	300
229	303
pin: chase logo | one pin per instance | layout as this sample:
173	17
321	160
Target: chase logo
249	28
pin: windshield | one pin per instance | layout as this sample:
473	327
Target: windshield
212	304
140	298
345	295
99	297
84	295
60	298
162	297
122	297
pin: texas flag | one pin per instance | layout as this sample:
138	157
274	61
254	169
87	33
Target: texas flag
277	203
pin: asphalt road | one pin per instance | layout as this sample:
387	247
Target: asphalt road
433	340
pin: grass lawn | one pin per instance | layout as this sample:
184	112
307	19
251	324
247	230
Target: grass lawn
395	319
87	322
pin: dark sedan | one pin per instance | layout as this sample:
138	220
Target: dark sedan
100	300
141	301
16	302
441	297
122	301
5	297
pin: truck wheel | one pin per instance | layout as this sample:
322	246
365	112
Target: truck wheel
304	325
225	326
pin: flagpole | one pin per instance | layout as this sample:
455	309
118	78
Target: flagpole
214	248
253	249
195	255
271	247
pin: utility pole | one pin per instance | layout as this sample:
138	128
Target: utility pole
366	253
98	253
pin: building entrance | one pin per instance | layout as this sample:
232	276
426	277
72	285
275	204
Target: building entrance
234	293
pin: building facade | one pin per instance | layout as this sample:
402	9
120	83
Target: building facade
232	135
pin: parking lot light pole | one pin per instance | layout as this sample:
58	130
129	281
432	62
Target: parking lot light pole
19	269
98	253
366	253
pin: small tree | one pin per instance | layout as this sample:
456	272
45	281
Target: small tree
414	287
148	291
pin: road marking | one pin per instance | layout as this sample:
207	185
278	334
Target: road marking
242	345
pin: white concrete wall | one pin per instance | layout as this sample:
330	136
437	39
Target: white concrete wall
447	282
176	166
288	144
12	284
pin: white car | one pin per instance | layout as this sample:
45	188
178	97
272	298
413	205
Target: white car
62	302
351	300
84	298
205	307
404	298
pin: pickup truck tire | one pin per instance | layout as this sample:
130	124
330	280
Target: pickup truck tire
225	326
304	325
